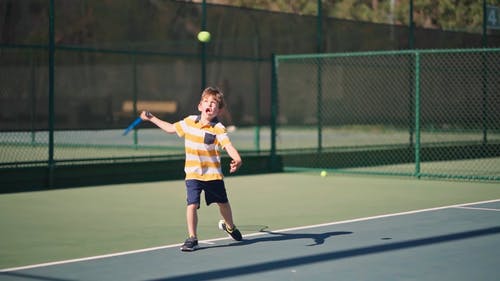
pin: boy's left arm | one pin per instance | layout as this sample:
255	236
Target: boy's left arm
233	153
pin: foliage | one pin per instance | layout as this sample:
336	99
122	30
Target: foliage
466	15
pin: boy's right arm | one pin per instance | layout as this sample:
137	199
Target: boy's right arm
165	126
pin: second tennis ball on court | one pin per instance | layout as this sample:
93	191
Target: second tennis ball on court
323	173
204	36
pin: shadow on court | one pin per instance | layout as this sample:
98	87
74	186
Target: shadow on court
26	276
281	236
331	256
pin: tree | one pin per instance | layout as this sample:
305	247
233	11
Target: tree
464	15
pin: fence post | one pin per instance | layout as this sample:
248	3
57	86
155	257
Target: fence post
203	55
134	92
319	82
319	79
411	37
319	28
51	95
274	111
257	92
484	37
417	114
484	88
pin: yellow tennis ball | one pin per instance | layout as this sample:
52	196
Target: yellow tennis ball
323	173
204	36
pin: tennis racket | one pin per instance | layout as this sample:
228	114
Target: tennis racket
136	122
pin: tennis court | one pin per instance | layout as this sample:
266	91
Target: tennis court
419	106
297	226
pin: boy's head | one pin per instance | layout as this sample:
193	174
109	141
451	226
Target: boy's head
216	94
211	103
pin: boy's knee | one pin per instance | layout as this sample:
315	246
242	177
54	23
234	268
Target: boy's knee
224	206
193	206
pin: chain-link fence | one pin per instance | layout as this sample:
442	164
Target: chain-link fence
74	74
419	113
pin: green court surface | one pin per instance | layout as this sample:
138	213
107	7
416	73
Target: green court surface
59	225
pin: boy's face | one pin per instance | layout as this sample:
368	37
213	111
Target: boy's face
209	107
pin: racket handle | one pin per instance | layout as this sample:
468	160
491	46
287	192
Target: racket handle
132	126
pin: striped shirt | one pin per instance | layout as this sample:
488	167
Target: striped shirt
202	144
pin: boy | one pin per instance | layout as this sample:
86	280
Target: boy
203	135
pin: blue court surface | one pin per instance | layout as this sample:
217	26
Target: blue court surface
458	242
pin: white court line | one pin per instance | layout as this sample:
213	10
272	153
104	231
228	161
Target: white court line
211	241
477	208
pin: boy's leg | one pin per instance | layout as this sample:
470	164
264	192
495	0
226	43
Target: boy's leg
227	224
192	219
193	190
226	213
191	244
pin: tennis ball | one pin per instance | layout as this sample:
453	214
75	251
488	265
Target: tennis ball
323	173
204	36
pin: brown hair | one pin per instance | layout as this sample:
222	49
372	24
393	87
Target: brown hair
216	94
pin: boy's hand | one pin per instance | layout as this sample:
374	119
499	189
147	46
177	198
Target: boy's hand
235	156
234	165
146	115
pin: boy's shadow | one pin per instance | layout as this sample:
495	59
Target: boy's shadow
318	239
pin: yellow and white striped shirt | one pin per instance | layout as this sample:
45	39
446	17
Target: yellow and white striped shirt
202	143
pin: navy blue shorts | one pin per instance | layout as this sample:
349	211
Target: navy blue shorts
215	191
